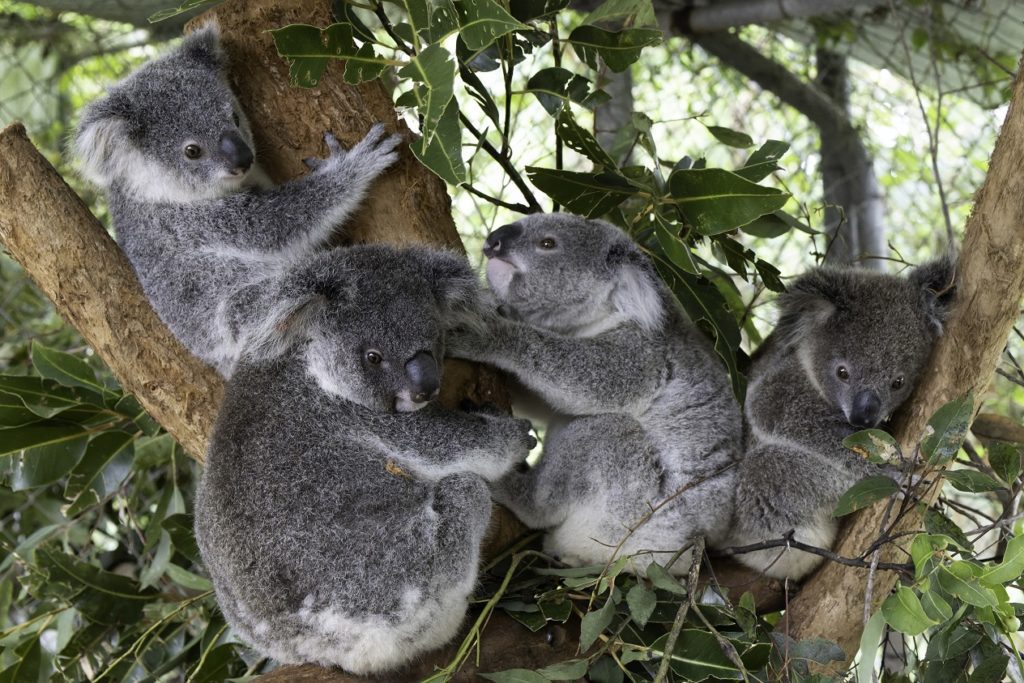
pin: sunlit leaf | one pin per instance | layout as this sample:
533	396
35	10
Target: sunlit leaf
902	611
873	445
481	22
947	430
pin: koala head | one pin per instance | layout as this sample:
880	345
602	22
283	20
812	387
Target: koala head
371	320
562	271
863	338
172	131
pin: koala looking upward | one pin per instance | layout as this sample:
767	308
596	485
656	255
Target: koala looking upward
848	350
340	512
643	409
191	209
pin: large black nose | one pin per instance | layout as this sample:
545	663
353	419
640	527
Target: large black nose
498	241
236	152
424	377
867	409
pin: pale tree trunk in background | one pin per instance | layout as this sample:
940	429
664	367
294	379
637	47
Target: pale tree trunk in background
617	113
853	199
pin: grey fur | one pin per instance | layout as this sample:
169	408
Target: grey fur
642	409
798	411
336	529
194	232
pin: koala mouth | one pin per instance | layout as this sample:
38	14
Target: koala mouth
500	274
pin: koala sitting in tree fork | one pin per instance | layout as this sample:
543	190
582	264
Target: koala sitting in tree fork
341	510
192	210
642	411
848	350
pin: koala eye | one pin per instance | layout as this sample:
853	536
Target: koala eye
193	151
373	358
842	373
547	243
898	382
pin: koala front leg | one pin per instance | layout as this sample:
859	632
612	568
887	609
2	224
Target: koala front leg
579	376
435	442
298	216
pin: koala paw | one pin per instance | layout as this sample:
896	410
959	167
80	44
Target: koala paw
374	153
335	154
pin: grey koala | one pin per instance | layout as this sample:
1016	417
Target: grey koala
642	409
193	212
341	511
849	348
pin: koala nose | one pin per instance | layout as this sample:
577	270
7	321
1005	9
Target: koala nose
867	409
236	152
497	242
424	376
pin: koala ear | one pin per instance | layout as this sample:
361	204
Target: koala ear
936	281
636	293
296	300
809	302
102	141
455	284
203	47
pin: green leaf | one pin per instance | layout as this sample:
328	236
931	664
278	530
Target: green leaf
767	226
555	86
43	465
101	596
580	140
627	12
937	523
443	154
481	22
479	92
950	643
936	607
947	430
129	406
588	194
864	493
594	623
728	136
26	668
697	656
618	49
180	527
186	6
770	276
515	676
47	398
1011	567
605	670
185	578
660	577
13	412
958	579
870	639
364	65
86	485
714	201
873	445
38	434
434	70
1005	460
972	481
571	670
763	161
152	572
528	10
641	604
902	611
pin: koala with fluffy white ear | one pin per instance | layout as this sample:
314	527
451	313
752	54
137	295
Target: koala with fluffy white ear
341	510
643	410
193	212
848	350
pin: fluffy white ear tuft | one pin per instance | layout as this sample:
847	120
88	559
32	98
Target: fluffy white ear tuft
637	297
102	148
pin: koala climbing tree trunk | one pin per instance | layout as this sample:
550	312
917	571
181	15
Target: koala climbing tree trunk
990	285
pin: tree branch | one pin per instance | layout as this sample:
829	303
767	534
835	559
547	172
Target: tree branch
718	16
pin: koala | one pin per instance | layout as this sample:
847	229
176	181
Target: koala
848	350
193	212
642	413
341	510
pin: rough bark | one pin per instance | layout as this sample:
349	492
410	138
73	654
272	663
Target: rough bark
69	255
990	287
854	204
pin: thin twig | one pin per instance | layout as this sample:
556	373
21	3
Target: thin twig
787	541
677	623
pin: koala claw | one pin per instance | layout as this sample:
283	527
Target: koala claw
334	147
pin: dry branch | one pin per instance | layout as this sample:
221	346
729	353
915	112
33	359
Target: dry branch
990	287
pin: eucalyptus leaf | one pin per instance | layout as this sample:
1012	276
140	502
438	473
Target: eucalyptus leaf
763	161
714	201
903	612
1010	568
589	194
45	464
618	49
641	604
873	445
697	656
594	623
481	22
947	430
1005	459
728	136
972	481
864	493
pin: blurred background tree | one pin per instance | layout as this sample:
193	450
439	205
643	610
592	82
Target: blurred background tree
889	112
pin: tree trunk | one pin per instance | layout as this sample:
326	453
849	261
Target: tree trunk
990	284
853	198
